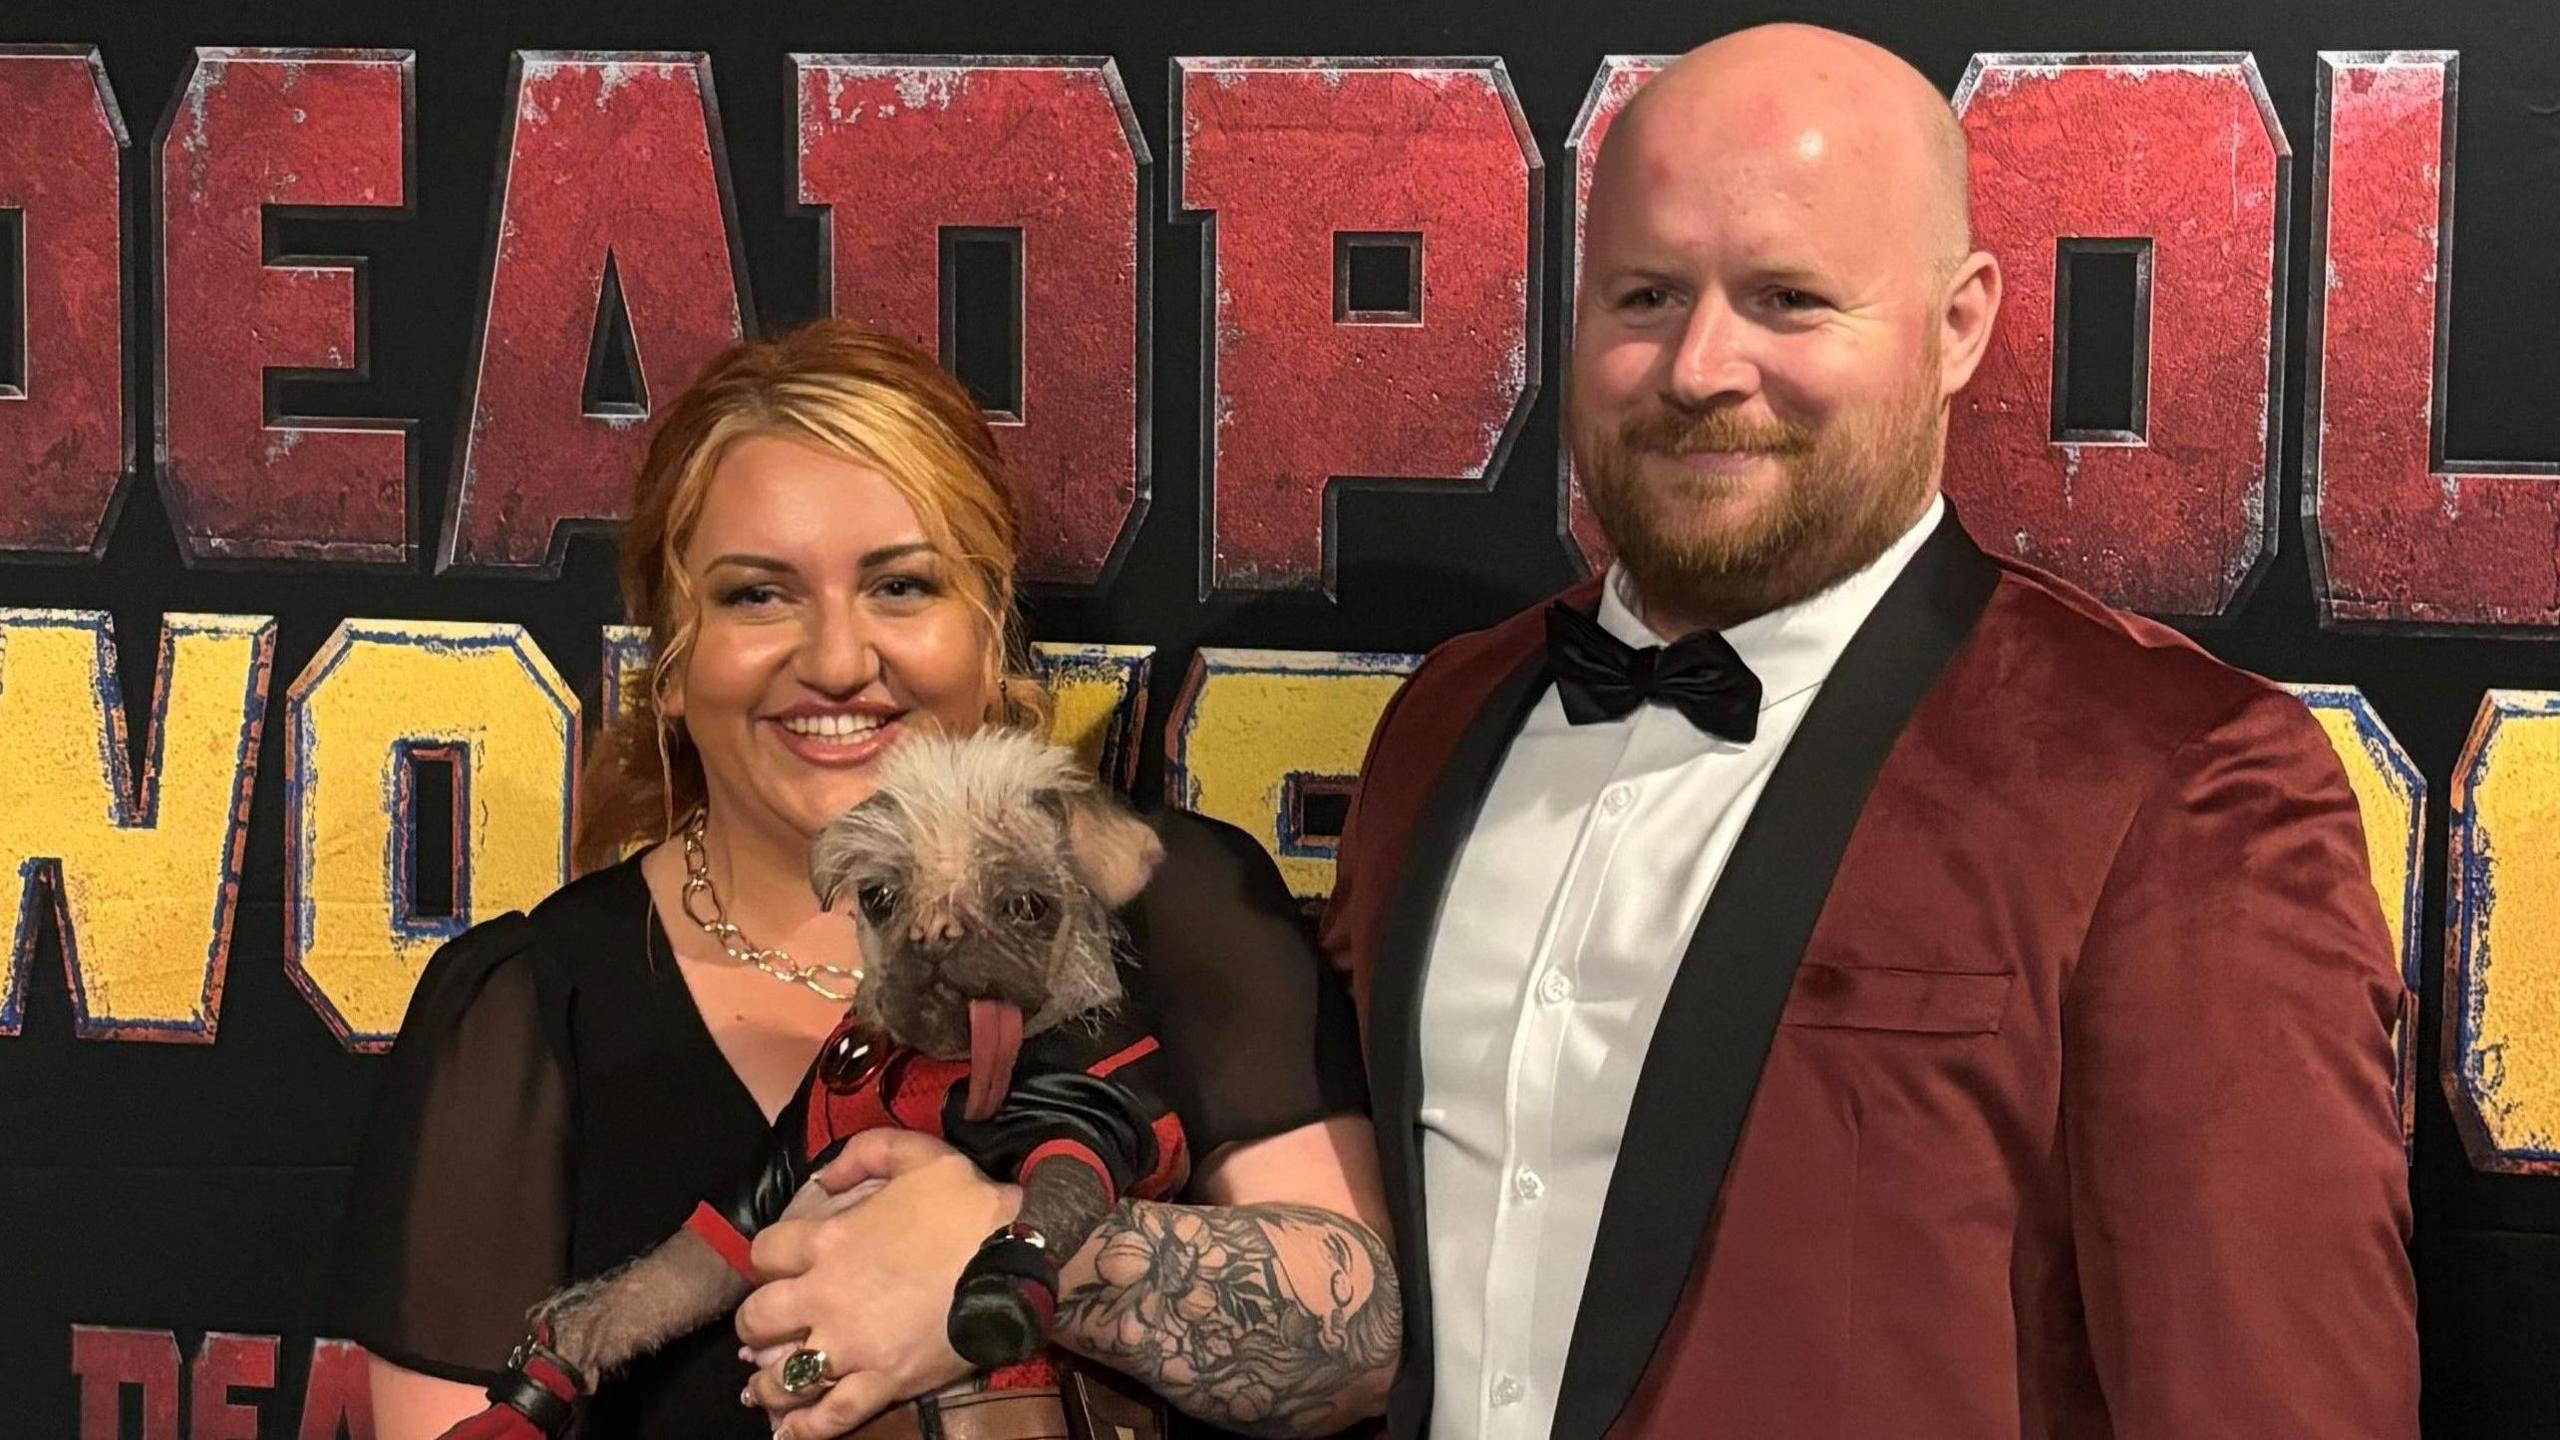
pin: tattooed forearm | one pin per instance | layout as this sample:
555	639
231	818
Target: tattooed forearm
1268	1319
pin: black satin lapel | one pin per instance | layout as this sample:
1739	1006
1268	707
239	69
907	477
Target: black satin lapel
1395	1012
1722	1011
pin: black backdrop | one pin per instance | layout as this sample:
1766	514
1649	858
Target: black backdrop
187	1188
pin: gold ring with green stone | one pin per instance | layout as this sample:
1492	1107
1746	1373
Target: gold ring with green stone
804	1371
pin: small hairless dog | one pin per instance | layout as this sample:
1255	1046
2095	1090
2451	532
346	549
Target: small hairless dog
985	874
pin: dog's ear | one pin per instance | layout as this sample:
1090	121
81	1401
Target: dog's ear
1114	852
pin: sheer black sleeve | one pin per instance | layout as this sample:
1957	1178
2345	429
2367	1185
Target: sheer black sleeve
1259	1029
458	1219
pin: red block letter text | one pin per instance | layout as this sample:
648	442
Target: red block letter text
254	130
64	444
913	159
614	168
223	1363
108	1360
2177	164
2400	534
1372	260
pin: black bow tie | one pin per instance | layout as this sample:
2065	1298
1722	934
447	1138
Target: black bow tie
1601	677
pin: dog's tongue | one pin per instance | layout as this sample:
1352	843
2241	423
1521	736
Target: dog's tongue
995	1037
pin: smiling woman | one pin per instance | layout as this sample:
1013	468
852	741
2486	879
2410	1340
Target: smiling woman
821	547
814	648
826	504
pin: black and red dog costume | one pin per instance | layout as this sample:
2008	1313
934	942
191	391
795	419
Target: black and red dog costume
1080	1093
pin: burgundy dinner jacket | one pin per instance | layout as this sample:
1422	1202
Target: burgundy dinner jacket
2028	1074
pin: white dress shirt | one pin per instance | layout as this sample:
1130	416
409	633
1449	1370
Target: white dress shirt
1568	910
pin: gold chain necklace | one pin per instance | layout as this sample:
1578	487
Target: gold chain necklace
776	963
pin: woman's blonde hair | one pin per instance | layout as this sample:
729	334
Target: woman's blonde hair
869	397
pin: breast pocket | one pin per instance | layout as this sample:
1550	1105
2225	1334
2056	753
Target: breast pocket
1871	997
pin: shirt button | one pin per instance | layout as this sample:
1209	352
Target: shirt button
1617	798
1556	989
1507	1390
1527	1185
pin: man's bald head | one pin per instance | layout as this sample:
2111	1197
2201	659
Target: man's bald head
1820	101
1778	302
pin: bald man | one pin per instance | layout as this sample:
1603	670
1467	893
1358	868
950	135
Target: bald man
1821	980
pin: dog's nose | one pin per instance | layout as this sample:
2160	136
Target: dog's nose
935	931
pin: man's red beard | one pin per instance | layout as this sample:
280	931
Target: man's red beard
1845	493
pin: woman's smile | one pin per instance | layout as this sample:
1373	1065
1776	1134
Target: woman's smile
836	737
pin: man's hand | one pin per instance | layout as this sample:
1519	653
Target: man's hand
871	1284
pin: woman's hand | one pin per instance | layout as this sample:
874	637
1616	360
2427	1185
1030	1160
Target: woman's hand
1272	1310
871	1284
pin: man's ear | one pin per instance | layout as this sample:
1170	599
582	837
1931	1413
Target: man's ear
1114	852
1972	307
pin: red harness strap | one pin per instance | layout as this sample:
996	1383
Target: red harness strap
724	1240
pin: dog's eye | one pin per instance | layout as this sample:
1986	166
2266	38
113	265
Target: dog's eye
1027	907
879	902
